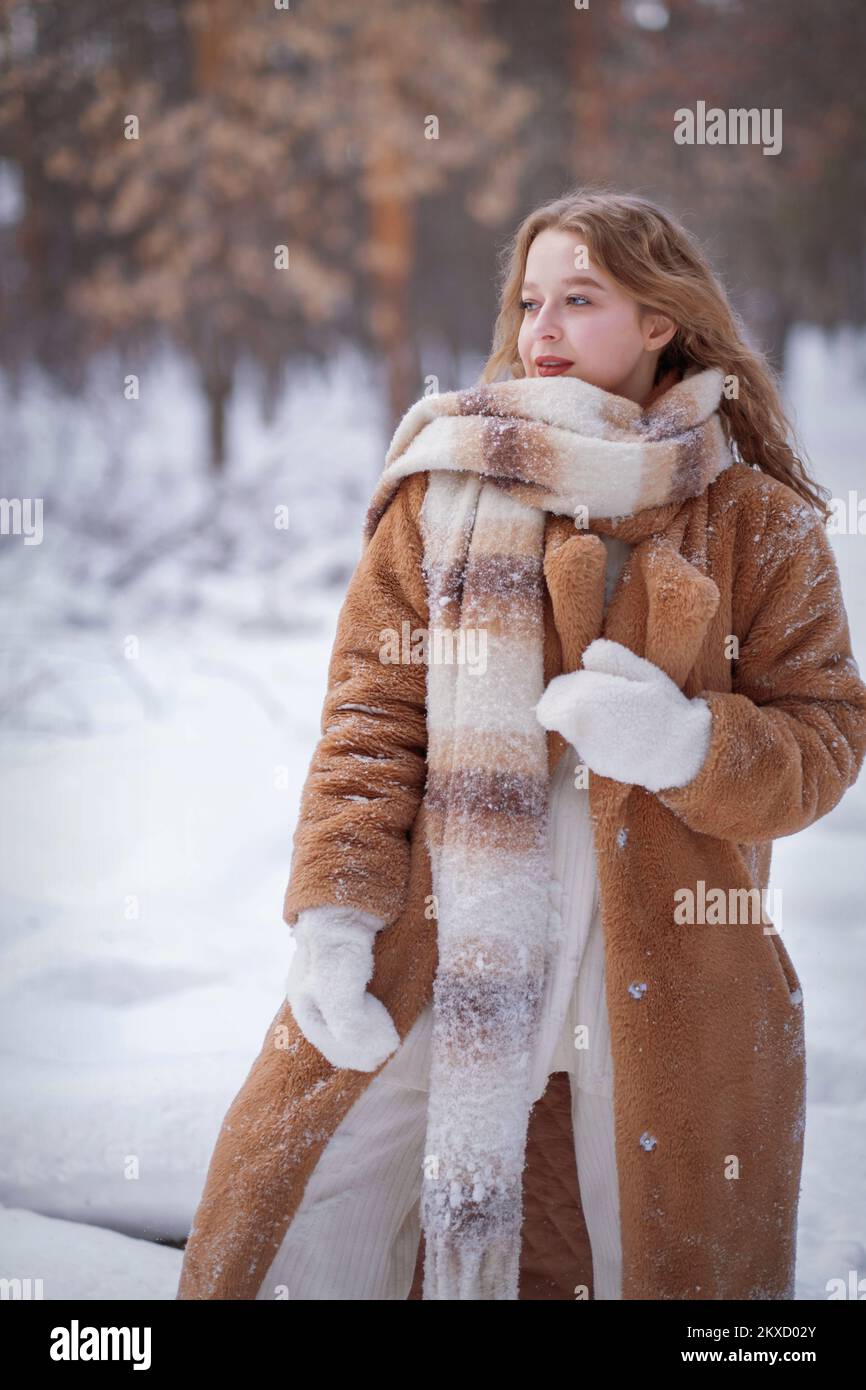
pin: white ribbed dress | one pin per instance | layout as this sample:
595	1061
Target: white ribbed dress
574	1035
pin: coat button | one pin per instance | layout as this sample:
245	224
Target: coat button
647	1141
637	991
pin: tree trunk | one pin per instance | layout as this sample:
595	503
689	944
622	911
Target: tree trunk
218	390
392	250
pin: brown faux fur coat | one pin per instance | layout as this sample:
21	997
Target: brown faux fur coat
709	1065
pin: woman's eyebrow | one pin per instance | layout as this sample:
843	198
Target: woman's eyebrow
572	280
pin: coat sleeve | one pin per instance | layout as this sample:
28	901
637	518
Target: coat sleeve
790	738
365	782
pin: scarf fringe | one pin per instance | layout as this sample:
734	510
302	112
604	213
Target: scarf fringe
453	1271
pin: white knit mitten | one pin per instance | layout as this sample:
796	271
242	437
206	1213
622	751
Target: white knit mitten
627	719
327	987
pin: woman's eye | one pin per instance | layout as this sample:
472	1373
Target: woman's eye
527	303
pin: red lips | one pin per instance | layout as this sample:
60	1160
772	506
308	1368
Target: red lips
547	365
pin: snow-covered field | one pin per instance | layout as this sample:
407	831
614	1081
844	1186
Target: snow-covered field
163	664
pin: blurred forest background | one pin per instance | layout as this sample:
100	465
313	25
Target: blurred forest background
261	126
172	381
155	157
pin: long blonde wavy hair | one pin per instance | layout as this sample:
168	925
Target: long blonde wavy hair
657	261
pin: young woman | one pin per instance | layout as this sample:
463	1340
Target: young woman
594	659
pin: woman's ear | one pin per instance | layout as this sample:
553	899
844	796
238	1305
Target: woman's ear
657	329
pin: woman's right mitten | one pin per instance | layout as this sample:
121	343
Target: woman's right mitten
327	987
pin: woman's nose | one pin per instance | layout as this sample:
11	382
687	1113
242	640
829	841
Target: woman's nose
545	324
547	332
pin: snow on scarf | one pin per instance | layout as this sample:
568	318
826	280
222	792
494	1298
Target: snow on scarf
499	457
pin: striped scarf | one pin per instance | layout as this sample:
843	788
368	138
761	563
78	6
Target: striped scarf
499	457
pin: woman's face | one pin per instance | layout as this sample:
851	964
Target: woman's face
580	315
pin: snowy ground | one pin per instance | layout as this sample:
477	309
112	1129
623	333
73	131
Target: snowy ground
149	806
